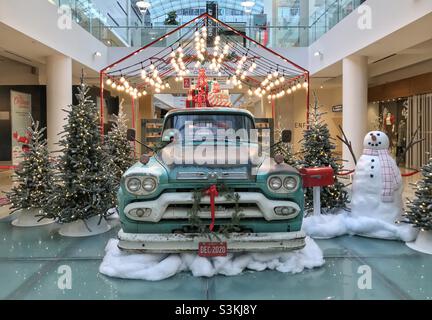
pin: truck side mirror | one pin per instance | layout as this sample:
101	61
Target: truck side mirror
130	134
286	136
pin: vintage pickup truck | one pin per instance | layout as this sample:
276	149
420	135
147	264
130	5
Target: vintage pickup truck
157	193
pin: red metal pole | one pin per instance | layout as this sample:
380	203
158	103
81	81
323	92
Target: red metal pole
133	122
133	113
307	98
101	104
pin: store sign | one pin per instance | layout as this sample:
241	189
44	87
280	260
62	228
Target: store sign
299	125
20	111
337	108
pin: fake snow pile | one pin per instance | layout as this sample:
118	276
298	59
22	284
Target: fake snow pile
153	267
334	225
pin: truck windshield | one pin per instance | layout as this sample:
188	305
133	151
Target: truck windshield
197	126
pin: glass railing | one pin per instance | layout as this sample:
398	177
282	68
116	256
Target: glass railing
322	21
281	37
86	14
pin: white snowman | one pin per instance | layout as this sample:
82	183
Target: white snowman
377	183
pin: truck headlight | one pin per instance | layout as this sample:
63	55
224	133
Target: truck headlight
149	184
290	183
133	184
275	183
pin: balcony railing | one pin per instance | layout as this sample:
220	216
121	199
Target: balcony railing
90	18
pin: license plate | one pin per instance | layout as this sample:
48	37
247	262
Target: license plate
212	249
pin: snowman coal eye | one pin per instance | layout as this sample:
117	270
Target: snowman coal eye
378	135
379	142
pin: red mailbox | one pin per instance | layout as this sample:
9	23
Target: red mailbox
317	177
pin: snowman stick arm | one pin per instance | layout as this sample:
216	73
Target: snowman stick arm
347	143
411	143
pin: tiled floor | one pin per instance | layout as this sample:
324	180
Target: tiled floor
31	260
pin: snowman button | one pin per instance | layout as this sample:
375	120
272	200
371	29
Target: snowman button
373	160
371	175
372	167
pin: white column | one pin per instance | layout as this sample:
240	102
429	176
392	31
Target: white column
59	96
355	99
304	21
269	8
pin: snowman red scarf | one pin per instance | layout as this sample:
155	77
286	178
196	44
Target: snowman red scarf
390	174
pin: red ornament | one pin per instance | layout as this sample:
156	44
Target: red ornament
212	192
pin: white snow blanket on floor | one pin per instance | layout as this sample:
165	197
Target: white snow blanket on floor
153	267
338	224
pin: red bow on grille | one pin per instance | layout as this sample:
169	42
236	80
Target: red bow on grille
212	192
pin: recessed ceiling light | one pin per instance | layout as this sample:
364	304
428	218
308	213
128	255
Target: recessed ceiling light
143	5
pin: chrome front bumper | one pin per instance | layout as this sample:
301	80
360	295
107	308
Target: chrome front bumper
236	242
164	207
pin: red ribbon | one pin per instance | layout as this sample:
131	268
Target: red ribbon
212	192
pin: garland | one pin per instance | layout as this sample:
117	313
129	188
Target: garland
226	192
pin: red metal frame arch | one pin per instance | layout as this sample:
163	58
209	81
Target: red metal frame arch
103	72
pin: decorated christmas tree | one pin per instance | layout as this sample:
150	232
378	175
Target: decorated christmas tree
318	151
419	210
119	148
33	177
83	181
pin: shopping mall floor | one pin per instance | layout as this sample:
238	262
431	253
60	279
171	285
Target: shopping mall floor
31	262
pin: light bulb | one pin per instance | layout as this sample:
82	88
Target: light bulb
299	85
305	84
122	79
113	85
250	92
108	81
289	91
143	74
